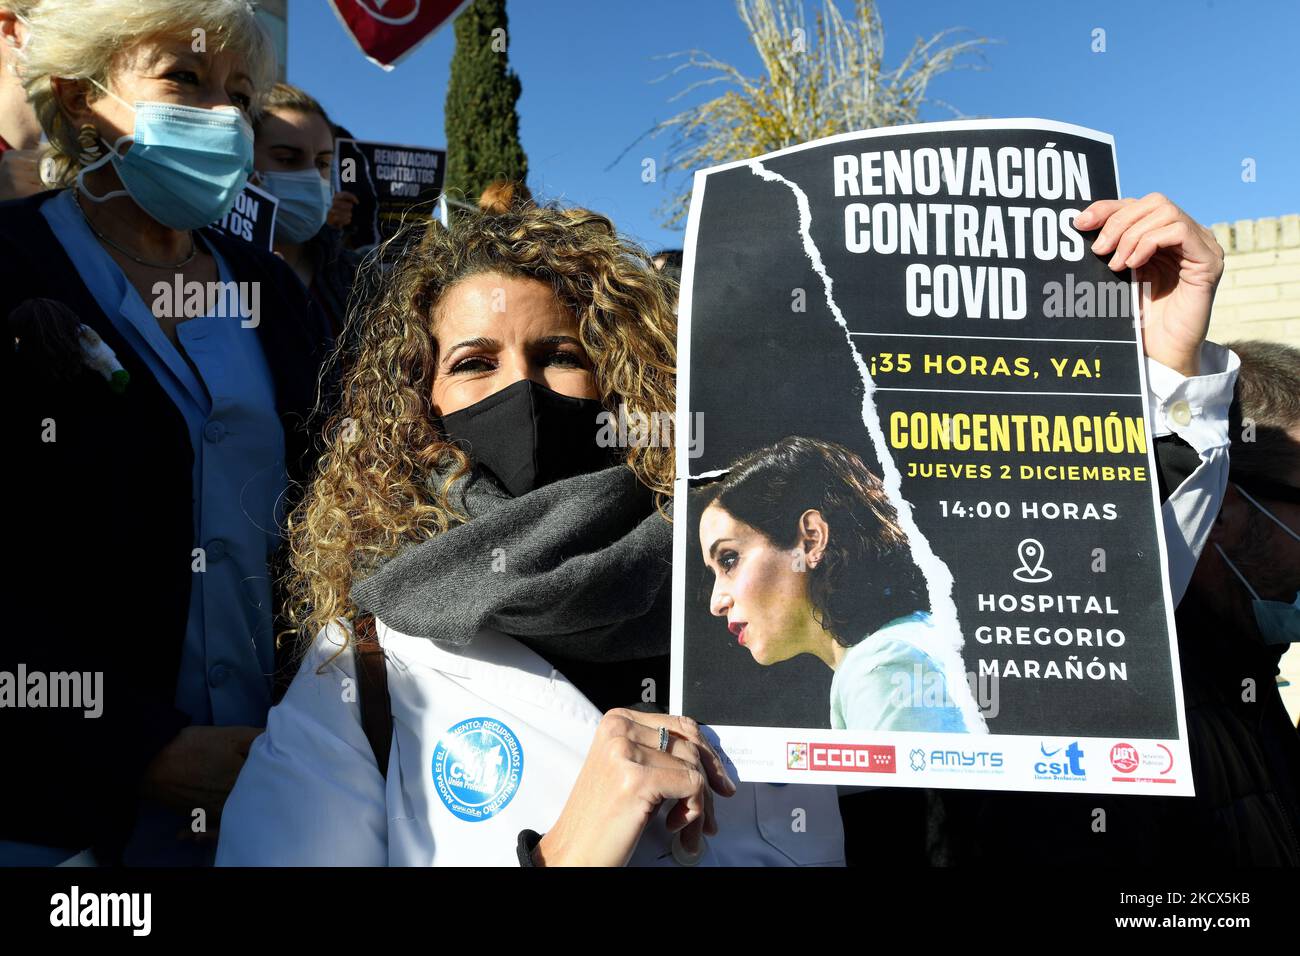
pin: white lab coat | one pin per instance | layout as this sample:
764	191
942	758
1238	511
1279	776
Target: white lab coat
311	793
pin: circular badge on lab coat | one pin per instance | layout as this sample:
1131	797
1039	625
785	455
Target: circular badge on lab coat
477	767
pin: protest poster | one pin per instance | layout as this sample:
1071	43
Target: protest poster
393	185
252	218
388	31
917	534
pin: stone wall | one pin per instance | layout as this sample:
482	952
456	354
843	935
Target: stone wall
1259	296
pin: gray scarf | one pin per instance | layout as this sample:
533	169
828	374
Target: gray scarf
577	569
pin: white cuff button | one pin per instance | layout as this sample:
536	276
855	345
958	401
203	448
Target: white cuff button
1180	413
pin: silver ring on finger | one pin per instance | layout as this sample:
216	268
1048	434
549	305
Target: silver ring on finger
663	739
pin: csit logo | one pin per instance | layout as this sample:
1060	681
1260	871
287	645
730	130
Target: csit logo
1065	765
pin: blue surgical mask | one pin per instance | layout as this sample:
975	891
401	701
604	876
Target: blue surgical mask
305	198
1278	622
185	166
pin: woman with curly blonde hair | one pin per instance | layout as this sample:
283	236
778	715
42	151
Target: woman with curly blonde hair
477	530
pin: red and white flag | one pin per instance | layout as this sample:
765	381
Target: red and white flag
388	30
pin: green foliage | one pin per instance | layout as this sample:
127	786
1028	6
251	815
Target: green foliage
482	124
819	79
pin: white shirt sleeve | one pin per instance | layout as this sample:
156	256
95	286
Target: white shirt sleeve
1196	410
310	793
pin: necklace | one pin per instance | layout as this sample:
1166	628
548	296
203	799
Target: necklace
194	249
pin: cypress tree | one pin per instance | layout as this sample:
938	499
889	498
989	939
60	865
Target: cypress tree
482	124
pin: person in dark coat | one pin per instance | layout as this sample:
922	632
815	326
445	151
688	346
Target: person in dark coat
156	389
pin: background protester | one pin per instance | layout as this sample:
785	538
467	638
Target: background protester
504	195
669	262
294	156
159	430
340	214
1241	613
517	570
1268	407
20	131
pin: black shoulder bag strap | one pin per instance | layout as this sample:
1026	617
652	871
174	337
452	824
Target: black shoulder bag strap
372	691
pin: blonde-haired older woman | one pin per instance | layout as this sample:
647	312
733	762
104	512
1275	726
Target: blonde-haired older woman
155	398
20	133
504	564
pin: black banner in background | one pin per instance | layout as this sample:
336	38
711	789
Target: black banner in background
394	184
252	219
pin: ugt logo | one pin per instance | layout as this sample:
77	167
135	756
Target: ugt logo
1069	766
1124	758
395	13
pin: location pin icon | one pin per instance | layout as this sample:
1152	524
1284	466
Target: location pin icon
1031	569
1030	551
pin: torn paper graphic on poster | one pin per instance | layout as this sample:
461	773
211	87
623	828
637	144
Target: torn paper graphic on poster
923	540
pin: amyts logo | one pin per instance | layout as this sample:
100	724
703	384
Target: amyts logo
856	758
395	13
1061	763
1135	764
476	767
958	761
796	756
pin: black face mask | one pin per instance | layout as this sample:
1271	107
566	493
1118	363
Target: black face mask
528	435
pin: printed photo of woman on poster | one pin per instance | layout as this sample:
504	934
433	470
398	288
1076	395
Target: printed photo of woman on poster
808	558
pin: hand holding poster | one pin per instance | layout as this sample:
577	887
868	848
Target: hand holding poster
922	542
392	184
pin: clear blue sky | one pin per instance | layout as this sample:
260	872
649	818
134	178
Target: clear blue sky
1188	88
